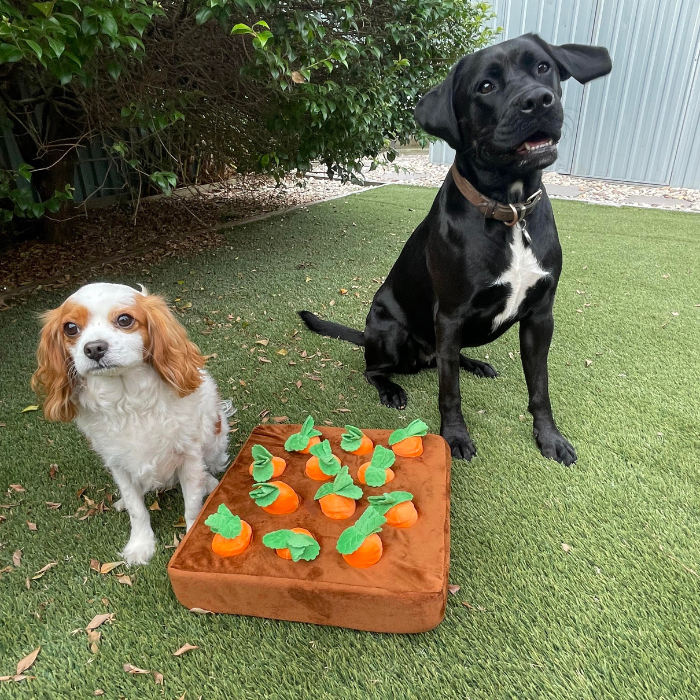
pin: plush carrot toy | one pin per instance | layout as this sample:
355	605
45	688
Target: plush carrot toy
275	497
294	544
231	534
360	544
265	466
324	464
337	499
407	442
355	441
377	472
304	439
396	507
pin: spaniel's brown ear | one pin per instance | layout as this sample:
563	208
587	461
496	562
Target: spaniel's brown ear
52	377
173	355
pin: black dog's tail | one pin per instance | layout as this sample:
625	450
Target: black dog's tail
332	330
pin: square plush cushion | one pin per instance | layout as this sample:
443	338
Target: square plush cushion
405	591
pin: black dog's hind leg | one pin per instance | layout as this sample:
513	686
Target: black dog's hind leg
452	426
535	338
390	393
477	367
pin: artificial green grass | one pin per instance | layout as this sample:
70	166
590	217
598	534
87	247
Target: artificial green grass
618	616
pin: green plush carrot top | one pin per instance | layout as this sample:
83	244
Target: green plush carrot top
369	523
378	471
299	442
328	463
224	523
351	440
342	485
263	468
299	544
387	501
416	428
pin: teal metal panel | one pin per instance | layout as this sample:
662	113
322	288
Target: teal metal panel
631	122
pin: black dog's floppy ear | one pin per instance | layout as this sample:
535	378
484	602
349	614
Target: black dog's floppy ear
435	112
578	61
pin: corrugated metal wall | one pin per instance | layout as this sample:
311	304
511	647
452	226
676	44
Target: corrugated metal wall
642	122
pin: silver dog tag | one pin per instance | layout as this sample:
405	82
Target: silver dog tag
526	235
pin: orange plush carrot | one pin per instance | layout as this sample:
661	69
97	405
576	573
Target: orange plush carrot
265	466
377	472
337	499
360	544
275	497
304	439
231	534
396	508
408	442
355	441
324	464
295	544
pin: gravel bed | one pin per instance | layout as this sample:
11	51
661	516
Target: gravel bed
415	169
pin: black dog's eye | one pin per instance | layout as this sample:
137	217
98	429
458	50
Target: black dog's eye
486	87
125	321
543	67
71	329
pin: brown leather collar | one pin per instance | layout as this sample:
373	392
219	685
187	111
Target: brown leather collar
510	214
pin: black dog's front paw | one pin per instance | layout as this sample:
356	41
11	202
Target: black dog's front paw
460	443
553	445
393	396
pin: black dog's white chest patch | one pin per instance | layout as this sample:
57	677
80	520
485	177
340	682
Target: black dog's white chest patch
523	272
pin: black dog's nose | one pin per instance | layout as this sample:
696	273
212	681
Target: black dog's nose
96	349
537	99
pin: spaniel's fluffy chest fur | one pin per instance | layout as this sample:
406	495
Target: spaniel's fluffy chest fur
136	422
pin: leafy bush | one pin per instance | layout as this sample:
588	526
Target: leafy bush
188	90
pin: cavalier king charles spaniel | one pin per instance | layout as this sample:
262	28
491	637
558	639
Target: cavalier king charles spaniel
117	362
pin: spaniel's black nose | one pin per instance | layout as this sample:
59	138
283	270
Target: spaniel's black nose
96	349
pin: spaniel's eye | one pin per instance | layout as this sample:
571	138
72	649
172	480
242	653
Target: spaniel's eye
486	87
543	67
125	321
71	329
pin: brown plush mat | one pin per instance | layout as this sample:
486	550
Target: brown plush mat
405	591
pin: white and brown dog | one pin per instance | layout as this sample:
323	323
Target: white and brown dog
117	362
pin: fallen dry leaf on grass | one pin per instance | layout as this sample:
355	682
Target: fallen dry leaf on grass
18	488
134	670
158	678
106	568
32	526
44	569
99	620
262	342
93	638
154	506
123	578
6	570
53	470
201	611
184	649
29	408
453	588
52	506
27	661
566	547
17	557
180	523
99	691
95	565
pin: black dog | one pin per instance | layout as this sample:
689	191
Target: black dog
487	255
